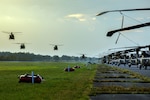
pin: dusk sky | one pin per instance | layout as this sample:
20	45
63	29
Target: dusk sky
72	24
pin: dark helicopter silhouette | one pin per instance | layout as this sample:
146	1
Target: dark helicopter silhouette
11	34
22	45
55	46
83	56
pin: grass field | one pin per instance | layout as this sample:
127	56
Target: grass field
58	84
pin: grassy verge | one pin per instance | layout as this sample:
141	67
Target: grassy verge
119	90
58	84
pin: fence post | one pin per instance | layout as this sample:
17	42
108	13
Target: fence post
32	77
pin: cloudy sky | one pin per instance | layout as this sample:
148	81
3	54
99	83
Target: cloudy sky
72	24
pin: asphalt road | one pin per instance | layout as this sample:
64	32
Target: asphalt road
134	68
121	97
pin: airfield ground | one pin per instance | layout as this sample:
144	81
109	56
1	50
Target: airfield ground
95	82
58	84
134	68
121	84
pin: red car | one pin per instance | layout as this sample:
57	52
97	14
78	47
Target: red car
28	78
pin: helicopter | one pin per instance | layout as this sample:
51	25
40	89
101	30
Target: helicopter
141	58
110	33
133	56
11	35
124	56
130	56
22	45
83	56
55	46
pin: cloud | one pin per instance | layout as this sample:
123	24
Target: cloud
94	18
80	17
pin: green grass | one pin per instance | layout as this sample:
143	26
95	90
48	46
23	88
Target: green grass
119	90
58	84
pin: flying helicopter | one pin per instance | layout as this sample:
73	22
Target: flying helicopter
22	45
83	56
56	46
11	35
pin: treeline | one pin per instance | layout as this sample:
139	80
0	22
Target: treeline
7	56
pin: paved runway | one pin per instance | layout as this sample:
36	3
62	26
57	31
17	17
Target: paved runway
121	97
134	68
101	83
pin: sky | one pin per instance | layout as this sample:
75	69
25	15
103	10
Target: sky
72	24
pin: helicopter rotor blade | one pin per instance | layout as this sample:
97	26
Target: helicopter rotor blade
10	32
16	32
6	32
52	44
56	44
132	48
21	43
138	9
124	47
110	33
17	43
59	45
